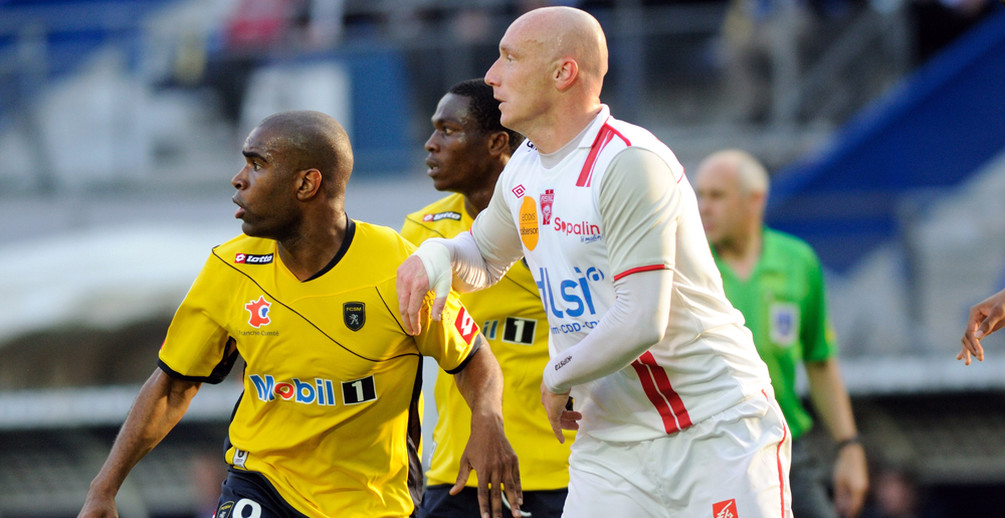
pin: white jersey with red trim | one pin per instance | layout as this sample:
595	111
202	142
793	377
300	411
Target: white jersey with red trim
581	228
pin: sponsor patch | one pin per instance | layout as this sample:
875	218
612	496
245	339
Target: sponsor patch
784	323
259	310
528	223
354	315
547	199
725	509
428	218
466	325
253	258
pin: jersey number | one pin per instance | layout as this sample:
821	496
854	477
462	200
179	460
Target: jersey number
519	331
359	391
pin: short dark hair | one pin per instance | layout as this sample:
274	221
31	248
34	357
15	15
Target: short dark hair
485	108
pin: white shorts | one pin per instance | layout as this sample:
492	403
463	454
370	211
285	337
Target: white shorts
732	465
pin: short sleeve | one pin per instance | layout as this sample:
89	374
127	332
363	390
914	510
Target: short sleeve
451	341
819	338
196	345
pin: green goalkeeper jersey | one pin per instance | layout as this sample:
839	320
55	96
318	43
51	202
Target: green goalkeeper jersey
784	305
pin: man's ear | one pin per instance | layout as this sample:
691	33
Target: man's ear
498	143
566	73
309	183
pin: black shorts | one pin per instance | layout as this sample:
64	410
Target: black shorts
246	494
438	503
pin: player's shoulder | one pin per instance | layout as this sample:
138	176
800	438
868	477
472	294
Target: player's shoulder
239	248
448	207
789	245
380	237
442	218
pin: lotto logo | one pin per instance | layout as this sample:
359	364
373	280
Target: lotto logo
466	325
456	216
725	509
253	258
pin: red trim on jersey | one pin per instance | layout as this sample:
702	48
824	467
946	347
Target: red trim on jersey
778	458
661	394
647	268
604	137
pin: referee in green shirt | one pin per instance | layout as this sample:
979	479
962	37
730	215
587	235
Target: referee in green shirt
776	281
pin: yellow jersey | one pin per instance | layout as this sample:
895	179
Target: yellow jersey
513	320
331	381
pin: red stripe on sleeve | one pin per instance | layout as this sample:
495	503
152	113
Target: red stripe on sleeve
647	268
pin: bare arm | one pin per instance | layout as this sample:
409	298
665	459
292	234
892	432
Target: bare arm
487	452
159	406
985	318
833	405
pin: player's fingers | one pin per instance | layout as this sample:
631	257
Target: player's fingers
462	477
439	303
570	420
964	355
495	494
408	306
514	493
973	346
556	427
485	503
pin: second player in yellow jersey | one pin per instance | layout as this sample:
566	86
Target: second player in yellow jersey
467	150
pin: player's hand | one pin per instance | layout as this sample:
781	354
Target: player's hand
490	454
559	415
985	318
412	286
851	480
428	268
98	507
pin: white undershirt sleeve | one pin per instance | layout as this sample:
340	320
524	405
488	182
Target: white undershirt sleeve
637	203
635	322
479	258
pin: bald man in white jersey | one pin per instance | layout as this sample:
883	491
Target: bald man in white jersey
674	408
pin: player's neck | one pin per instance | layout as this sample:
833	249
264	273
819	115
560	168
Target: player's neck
477	199
555	130
742	253
309	252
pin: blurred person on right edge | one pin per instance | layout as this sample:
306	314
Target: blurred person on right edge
468	148
776	281
674	408
986	317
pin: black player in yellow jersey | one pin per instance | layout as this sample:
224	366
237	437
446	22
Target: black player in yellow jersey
468	148
306	298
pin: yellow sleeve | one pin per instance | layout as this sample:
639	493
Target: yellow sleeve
195	347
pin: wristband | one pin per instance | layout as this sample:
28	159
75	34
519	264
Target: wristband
435	259
855	439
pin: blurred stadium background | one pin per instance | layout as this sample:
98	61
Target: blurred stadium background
883	122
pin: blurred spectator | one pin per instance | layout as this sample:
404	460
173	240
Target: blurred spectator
938	23
761	41
207	473
896	493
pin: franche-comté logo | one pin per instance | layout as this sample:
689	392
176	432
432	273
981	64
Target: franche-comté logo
259	310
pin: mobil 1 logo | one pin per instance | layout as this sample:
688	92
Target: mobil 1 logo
519	330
